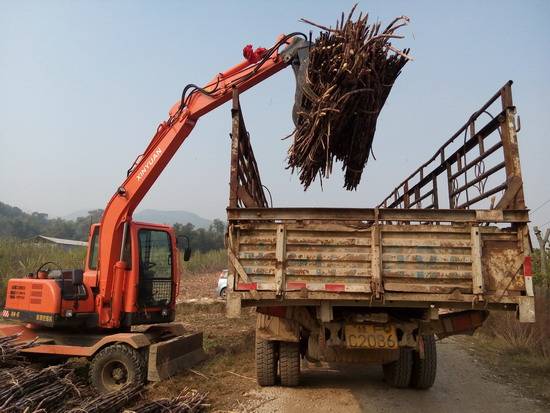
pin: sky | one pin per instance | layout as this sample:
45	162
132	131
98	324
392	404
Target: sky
84	84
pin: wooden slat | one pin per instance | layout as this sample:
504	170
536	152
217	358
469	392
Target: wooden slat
432	229
419	242
327	249
477	276
427	274
426	250
426	266
321	256
419	236
427	258
280	254
426	288
384	214
376	272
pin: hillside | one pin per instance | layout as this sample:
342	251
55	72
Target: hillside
172	217
157	216
14	222
204	235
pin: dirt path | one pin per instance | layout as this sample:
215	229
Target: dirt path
463	385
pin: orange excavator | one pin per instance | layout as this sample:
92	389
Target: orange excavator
119	311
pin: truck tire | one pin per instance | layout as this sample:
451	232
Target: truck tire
398	372
289	363
115	366
266	362
424	370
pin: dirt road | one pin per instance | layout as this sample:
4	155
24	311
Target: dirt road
463	385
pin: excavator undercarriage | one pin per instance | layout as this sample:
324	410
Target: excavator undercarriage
157	351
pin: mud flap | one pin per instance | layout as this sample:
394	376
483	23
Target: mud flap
459	322
526	309
175	355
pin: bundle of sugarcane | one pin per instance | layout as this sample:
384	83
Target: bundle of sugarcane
29	390
10	349
188	401
11	375
112	402
350	73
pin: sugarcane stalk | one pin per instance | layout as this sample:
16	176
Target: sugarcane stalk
351	71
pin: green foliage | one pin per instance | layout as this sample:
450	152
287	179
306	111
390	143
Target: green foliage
538	276
201	262
202	239
20	256
16	223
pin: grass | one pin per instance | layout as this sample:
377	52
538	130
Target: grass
519	352
18	258
21	257
202	262
524	339
228	373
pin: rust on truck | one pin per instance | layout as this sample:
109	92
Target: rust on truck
462	247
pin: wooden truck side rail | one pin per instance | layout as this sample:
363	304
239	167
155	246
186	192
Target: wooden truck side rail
478	166
378	257
408	252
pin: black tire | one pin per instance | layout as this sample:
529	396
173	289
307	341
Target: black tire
115	366
266	362
424	370
223	292
398	372
289	363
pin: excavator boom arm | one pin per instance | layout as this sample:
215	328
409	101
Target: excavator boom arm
169	136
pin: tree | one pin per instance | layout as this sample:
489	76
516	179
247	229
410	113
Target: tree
202	239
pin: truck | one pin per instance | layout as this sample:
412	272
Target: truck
380	285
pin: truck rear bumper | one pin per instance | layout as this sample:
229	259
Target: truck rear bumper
523	305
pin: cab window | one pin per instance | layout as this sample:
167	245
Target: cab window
94	251
155	268
155	254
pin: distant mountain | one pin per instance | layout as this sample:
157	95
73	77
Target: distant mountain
74	215
156	216
171	217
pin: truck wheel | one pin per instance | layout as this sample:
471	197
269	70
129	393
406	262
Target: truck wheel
398	372
289	363
115	366
424	370
266	362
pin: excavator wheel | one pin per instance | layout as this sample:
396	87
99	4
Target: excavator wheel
115	366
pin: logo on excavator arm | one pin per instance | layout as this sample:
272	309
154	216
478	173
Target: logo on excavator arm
149	164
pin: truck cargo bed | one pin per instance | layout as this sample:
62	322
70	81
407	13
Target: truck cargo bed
452	235
382	256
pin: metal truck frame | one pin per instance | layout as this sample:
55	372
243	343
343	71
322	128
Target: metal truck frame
378	285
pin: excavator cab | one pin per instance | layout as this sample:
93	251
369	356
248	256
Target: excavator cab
54	297
151	275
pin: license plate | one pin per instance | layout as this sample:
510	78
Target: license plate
371	336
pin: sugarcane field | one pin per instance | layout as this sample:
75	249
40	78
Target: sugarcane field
274	207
